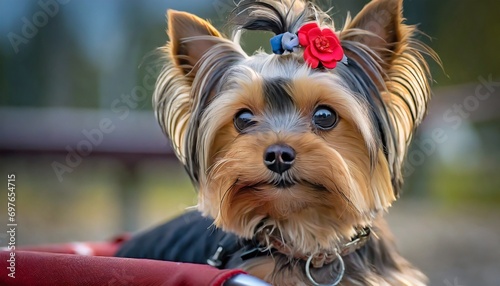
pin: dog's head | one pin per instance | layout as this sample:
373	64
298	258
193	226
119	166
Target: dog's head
285	145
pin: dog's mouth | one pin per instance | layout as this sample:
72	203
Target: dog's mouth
284	181
284	184
278	184
279	199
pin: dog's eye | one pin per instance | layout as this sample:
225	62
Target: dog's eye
325	118
243	120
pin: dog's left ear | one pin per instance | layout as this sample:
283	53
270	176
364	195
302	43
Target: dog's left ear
405	89
190	38
382	19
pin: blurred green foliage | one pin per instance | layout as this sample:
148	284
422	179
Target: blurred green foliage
474	183
55	69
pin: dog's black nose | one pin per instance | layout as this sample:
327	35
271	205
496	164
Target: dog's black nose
279	158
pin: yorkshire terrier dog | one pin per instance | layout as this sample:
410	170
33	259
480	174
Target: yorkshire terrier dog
296	155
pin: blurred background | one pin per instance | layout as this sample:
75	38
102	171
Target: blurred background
78	130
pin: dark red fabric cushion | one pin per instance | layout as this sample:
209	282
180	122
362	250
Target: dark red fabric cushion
107	248
37	268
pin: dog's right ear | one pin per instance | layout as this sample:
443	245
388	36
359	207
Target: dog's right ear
190	38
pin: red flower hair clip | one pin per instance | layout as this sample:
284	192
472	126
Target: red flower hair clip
321	46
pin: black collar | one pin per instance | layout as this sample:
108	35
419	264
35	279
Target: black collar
230	246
